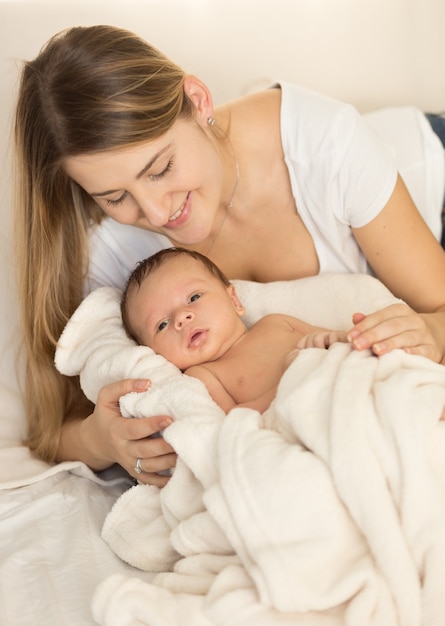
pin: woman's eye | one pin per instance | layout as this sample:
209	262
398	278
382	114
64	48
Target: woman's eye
164	171
117	201
162	325
195	297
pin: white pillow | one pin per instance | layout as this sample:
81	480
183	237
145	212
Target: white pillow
95	346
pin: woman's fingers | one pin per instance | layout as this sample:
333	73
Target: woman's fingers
154	470
142	440
158	480
153	459
130	439
110	394
388	327
396	326
141	428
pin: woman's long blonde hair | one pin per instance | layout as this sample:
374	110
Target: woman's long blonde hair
90	89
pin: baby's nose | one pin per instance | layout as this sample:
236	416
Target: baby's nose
183	318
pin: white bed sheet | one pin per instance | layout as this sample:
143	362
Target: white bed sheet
52	556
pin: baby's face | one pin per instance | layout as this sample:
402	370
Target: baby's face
185	314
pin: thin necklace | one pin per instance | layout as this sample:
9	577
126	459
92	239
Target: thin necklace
211	122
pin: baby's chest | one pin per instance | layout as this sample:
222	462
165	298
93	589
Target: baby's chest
259	366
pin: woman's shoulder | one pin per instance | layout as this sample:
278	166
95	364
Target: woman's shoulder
303	102
314	121
289	107
294	109
254	107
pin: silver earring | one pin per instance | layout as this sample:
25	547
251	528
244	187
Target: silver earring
211	121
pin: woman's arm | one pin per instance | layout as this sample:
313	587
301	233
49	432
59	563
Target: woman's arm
103	437
411	263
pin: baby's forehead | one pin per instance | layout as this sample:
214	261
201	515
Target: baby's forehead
180	266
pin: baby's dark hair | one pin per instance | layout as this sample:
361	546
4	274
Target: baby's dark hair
145	267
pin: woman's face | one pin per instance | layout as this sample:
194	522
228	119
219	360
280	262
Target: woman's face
171	185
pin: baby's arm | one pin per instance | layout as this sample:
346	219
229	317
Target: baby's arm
222	398
309	336
321	339
214	386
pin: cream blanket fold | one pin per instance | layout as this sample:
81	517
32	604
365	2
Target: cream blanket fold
327	510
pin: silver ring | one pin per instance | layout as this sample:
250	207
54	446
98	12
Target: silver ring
138	467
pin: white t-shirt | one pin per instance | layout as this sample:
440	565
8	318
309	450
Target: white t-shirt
114	251
420	158
342	174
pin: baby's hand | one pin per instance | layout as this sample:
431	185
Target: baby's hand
322	339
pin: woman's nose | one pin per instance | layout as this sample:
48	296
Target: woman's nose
153	210
156	215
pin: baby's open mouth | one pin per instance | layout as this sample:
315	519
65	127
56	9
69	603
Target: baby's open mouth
197	337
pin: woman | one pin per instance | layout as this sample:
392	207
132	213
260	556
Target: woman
277	185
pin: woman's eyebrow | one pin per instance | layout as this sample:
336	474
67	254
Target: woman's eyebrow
145	169
103	193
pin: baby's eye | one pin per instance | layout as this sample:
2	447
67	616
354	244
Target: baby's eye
162	325
195	297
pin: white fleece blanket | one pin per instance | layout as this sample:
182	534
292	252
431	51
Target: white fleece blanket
327	510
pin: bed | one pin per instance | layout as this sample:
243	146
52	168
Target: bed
379	53
327	509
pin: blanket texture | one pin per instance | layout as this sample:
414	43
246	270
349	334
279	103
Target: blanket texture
329	509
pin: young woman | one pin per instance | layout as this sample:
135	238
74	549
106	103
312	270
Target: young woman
280	184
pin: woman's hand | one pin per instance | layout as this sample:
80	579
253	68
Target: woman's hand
112	438
398	326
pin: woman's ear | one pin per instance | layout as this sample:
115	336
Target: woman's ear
235	300
200	96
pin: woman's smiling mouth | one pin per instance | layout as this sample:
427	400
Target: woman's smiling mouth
181	215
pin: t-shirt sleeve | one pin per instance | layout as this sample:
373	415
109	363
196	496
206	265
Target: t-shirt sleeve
367	174
419	156
342	174
339	165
